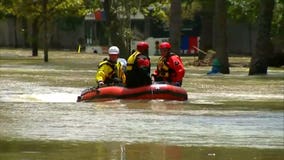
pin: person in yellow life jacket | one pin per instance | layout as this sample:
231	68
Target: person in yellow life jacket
139	67
110	71
170	68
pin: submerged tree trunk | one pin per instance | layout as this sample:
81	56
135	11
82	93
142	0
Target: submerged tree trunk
45	35
25	31
221	35
35	37
115	28
175	25
15	32
206	36
259	59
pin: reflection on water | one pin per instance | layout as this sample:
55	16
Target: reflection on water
113	130
120	151
114	121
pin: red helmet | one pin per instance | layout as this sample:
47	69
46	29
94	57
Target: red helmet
142	46
165	45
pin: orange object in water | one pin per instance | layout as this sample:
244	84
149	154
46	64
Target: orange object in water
150	92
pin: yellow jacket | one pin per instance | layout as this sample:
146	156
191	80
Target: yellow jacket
108	71
131	60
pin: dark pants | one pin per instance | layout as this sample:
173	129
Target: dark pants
137	79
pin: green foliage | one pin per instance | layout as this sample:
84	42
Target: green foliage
243	10
160	11
190	8
248	10
157	10
5	8
31	9
278	18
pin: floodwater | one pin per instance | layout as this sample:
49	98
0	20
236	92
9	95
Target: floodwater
39	120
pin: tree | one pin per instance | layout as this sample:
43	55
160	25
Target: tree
264	47
248	11
5	8
175	25
45	34
117	24
220	29
239	11
34	37
42	13
7	11
206	13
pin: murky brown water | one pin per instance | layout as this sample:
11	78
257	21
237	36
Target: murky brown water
226	117
117	121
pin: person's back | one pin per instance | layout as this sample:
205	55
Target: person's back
139	67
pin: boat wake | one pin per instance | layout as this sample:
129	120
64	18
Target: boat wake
32	92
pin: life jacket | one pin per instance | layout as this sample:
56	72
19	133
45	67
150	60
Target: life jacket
113	73
138	70
107	62
137	61
163	67
131	60
120	71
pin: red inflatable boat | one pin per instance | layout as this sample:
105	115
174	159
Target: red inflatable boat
154	91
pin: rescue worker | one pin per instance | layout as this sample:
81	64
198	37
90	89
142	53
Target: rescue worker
110	71
139	67
170	68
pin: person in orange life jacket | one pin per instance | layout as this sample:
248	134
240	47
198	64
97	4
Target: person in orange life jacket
139	67
170	68
110	71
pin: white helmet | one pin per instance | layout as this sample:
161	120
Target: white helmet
113	50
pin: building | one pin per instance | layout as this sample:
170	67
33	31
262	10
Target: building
86	32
